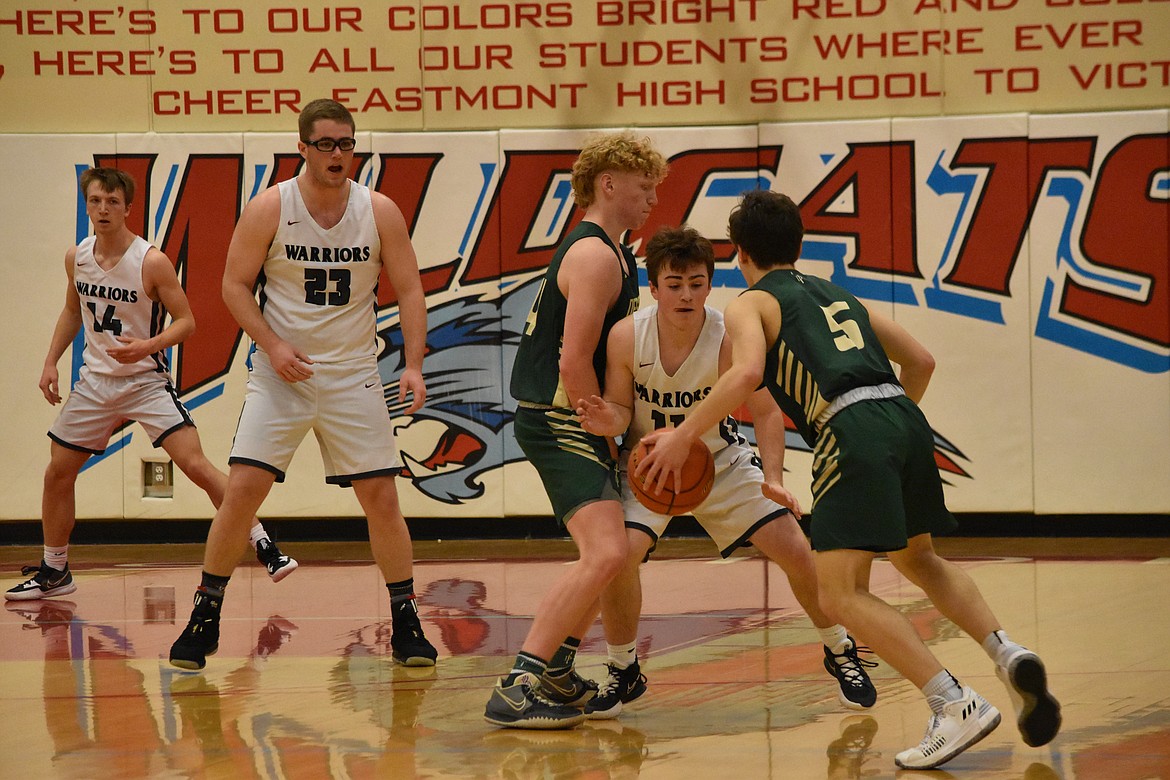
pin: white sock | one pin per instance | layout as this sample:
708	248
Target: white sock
999	647
57	557
940	689
257	534
622	656
834	638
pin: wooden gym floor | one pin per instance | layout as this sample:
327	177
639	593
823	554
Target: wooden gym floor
303	685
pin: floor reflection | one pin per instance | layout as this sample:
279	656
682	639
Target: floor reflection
304	685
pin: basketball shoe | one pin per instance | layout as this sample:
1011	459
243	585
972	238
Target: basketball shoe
621	687
521	705
408	646
567	687
278	564
1037	710
201	636
45	583
961	724
857	692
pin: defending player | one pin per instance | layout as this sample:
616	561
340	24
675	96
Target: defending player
120	290
318	243
591	283
661	362
827	361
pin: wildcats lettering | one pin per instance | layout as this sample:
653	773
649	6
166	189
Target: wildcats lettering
675	399
326	254
106	293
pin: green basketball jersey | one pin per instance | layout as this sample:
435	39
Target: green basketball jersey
825	347
536	374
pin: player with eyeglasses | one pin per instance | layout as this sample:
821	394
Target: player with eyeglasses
318	244
329	144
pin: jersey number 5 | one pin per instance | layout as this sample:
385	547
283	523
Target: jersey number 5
848	334
317	284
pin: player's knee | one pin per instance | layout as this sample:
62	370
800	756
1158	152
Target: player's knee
608	561
59	475
918	566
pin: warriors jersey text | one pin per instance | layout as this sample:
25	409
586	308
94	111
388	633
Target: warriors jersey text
662	400
114	303
318	287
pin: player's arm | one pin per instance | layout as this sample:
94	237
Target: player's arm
68	323
744	320
610	416
161	284
401	266
246	255
770	433
768	421
590	280
915	363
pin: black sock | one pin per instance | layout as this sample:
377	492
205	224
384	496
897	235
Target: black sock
214	585
402	600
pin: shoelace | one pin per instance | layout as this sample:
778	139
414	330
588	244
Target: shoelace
613	681
851	667
930	741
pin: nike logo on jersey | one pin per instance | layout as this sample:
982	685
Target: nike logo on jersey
294	222
370	384
644	365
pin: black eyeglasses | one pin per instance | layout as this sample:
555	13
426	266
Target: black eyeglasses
329	144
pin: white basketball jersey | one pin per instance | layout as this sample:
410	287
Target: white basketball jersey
114	303
318	287
662	400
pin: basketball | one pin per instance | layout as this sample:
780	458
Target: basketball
698	475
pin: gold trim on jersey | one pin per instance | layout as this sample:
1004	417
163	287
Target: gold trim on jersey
825	465
570	436
798	383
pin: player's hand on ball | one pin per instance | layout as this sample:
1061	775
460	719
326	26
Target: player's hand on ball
662	466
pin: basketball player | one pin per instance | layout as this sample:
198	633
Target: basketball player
120	291
661	362
591	283
876	488
318	244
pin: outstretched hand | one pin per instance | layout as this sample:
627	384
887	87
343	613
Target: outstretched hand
783	496
598	417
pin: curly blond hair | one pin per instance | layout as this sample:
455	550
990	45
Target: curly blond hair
614	152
